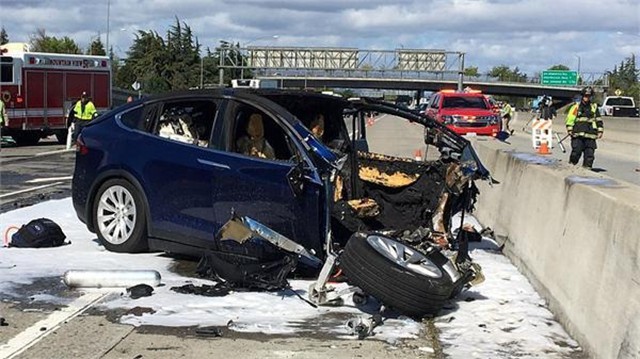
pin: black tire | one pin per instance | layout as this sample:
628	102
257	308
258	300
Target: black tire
28	138
132	237
61	136
407	291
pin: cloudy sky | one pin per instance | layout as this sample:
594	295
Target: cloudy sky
530	34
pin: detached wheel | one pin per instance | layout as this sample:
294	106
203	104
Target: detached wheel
398	275
119	217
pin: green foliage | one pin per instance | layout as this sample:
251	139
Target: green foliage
163	64
471	71
625	77
504	73
559	67
96	48
4	37
41	42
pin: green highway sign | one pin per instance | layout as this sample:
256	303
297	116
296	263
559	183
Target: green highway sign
558	77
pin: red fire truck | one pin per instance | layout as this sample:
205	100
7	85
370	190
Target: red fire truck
39	89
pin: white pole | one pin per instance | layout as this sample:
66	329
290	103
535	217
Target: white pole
108	21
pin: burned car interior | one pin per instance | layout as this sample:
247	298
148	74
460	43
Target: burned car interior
187	121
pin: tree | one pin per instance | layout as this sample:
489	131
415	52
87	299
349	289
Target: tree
504	73
96	48
559	67
625	77
41	42
471	71
184	63
4	37
164	64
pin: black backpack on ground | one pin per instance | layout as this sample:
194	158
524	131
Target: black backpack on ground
38	233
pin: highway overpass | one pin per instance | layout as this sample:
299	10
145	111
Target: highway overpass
397	69
490	88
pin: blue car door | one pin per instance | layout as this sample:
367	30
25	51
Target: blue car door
178	174
276	186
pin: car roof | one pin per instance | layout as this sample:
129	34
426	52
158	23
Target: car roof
249	94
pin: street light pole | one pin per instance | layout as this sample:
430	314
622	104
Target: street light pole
461	71
108	21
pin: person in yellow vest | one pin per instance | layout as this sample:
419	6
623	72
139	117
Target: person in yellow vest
507	113
81	114
3	113
585	126
3	116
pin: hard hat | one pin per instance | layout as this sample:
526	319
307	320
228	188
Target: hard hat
587	91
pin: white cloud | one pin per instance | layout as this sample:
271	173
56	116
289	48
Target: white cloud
529	33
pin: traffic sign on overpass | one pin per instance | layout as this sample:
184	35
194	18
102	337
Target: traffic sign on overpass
559	78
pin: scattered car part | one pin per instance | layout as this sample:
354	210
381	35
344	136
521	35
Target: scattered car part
139	291
363	327
247	254
218	290
110	278
211	331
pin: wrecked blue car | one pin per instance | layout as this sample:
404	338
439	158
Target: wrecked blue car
167	172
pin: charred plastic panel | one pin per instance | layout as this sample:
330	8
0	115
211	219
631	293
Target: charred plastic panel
397	194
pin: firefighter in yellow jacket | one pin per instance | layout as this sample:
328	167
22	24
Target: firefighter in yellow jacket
584	125
82	113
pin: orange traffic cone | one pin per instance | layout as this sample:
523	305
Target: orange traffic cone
418	155
544	148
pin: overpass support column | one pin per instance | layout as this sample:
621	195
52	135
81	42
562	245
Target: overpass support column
418	96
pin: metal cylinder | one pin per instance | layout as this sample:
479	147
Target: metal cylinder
110	278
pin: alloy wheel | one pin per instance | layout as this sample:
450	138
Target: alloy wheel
404	256
116	214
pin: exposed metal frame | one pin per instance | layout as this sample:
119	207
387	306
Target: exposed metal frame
340	59
341	62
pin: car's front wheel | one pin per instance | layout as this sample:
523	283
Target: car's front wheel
398	275
119	217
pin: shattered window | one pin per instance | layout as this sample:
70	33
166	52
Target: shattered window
188	121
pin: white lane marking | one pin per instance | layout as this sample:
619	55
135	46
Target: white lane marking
49	179
30	336
30	189
54	152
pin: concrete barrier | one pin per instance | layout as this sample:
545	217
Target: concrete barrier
576	235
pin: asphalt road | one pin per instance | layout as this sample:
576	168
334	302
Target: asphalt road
32	174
